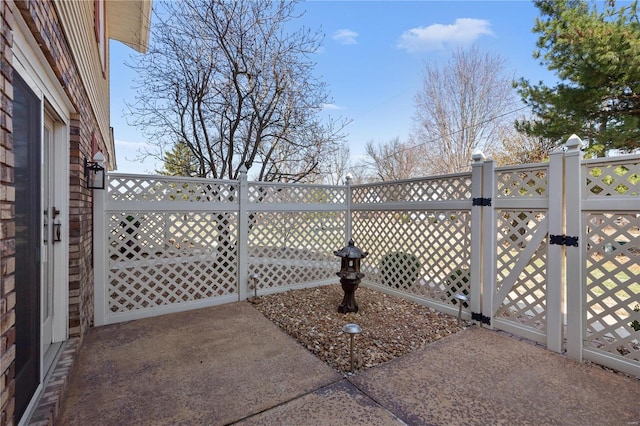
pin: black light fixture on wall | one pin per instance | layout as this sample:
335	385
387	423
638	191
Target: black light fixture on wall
94	171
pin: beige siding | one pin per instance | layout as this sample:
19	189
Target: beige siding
77	19
129	22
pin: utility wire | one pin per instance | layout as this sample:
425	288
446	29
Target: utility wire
453	133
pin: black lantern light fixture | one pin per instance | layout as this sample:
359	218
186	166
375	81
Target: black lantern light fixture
350	275
94	172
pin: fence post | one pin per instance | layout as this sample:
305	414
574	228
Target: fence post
488	238
555	307
347	217
573	202
243	233
477	262
100	255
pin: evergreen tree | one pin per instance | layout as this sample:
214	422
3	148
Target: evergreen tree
180	161
595	52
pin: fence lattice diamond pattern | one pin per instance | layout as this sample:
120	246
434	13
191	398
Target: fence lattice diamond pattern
456	187
522	183
289	248
613	179
526	301
421	253
164	258
158	188
613	283
295	194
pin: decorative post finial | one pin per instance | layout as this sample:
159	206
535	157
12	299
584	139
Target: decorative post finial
477	155
573	143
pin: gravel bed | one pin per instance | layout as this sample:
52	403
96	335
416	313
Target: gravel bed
391	326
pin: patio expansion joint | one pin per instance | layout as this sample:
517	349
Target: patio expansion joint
302	395
376	401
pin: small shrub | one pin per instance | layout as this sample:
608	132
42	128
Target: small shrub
458	280
399	269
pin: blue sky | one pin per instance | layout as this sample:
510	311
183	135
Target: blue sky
372	59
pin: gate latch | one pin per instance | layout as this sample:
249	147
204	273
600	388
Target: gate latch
563	240
483	202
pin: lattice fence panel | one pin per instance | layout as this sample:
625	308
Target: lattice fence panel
289	248
613	179
446	188
296	194
159	259
530	182
425	254
161	188
134	235
613	283
526	302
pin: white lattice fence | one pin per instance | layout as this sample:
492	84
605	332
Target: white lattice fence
613	284
160	259
499	235
293	232
293	249
611	217
424	254
525	302
166	247
418	235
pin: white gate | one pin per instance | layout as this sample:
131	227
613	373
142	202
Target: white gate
516	297
561	254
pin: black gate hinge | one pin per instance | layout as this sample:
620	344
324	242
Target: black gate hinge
484	202
563	240
477	316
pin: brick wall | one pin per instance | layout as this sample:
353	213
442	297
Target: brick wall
7	224
43	21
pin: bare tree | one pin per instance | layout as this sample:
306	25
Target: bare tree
394	160
462	106
228	79
335	166
520	148
361	173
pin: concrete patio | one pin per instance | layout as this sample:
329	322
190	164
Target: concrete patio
230	365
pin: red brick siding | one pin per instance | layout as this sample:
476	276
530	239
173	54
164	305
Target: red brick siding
42	19
7	222
44	23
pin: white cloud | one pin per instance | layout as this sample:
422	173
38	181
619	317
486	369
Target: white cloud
331	106
439	36
345	36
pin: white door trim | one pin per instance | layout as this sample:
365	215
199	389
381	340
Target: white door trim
34	69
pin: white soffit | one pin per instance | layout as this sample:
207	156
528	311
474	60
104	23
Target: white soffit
129	21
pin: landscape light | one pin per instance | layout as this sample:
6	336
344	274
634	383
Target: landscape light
461	299
352	330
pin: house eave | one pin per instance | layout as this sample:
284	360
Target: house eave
129	21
